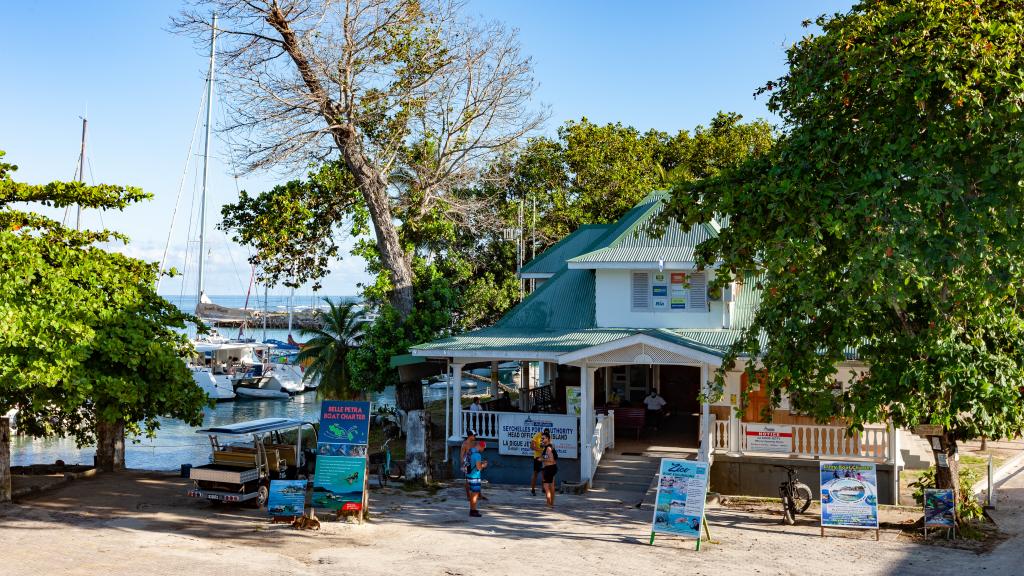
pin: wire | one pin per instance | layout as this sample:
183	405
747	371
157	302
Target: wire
181	186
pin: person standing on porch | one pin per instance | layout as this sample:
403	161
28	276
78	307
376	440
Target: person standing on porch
475	406
538	465
473	477
654	403
549	458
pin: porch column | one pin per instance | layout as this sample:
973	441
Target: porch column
707	434
525	383
494	380
586	423
455	382
734	433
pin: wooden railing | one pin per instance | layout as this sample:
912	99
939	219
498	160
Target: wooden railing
837	441
604	438
540	399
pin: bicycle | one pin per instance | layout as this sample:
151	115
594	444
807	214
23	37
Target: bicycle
796	496
385	465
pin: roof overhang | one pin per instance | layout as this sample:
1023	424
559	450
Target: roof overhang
638	349
585	265
483	355
536	275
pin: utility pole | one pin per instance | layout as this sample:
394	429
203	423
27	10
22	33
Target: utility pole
533	241
520	249
81	172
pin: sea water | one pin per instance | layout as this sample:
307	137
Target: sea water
177	443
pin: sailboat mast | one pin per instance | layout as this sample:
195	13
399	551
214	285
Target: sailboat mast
291	298
81	173
201	292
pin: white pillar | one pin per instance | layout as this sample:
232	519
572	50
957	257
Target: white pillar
455	382
705	441
586	423
734	433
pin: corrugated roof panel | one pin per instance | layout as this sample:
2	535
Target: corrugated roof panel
552	260
564	302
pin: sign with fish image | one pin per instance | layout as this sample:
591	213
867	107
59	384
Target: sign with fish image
339	483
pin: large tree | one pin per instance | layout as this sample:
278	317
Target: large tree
87	348
888	220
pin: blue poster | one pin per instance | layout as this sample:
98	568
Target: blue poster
287	498
682	489
849	495
338	482
939	506
344	422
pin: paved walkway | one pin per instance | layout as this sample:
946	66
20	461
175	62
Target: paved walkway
143	524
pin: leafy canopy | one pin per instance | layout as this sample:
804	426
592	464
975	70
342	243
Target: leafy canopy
84	337
888	218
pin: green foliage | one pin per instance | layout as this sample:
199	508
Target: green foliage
389	335
888	218
84	338
967	505
329	348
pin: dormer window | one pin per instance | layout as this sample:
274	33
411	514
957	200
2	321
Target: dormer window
668	291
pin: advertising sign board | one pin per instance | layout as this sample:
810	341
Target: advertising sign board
516	430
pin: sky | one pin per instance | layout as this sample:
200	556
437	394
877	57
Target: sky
666	65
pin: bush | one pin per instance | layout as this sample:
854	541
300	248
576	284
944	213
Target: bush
967	505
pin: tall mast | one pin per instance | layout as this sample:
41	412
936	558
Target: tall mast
291	297
81	173
206	161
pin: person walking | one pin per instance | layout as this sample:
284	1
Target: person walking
474	477
468	445
549	459
537	446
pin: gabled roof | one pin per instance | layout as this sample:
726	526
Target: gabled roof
553	259
632	241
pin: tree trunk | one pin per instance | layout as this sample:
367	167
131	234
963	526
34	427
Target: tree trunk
947	466
417	447
5	459
110	446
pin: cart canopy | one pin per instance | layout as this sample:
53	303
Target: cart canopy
256	426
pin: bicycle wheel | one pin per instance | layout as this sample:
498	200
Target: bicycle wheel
802	497
787	512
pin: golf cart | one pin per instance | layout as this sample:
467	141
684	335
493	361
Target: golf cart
248	455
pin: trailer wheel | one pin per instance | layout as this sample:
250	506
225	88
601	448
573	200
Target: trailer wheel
262	495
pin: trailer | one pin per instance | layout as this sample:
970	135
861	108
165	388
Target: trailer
246	456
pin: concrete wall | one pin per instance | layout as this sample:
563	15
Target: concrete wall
613	290
756	476
511	469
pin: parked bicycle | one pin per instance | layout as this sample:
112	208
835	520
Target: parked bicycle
386	468
796	496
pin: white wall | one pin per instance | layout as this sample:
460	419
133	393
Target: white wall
613	291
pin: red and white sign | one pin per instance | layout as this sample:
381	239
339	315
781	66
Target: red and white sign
769	438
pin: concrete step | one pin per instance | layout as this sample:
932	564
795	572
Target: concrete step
915	451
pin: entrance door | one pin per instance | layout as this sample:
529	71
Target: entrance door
680	386
757	400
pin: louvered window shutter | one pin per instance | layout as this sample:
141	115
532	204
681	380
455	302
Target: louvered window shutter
641	291
698	292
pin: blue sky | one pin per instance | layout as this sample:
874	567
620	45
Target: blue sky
664	65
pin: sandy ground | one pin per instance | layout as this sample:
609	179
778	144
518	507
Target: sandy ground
141	523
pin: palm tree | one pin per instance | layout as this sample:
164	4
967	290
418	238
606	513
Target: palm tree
328	349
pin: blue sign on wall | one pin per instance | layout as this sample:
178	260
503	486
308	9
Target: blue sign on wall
344	422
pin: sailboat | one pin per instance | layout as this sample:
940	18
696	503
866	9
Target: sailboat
224	369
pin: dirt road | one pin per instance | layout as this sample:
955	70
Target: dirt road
141	523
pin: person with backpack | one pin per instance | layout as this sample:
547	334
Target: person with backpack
465	457
549	459
538	466
473	477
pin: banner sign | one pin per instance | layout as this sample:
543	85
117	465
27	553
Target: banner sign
573	402
516	430
682	489
287	498
769	438
338	482
344	422
939	506
849	495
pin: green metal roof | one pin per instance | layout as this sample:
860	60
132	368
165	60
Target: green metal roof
552	260
633	239
564	302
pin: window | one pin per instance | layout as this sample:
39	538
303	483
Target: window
641	292
698	292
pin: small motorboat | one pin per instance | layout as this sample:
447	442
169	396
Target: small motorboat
243	392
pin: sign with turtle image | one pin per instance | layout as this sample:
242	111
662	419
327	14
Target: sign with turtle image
939	508
339	482
849	495
344	422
